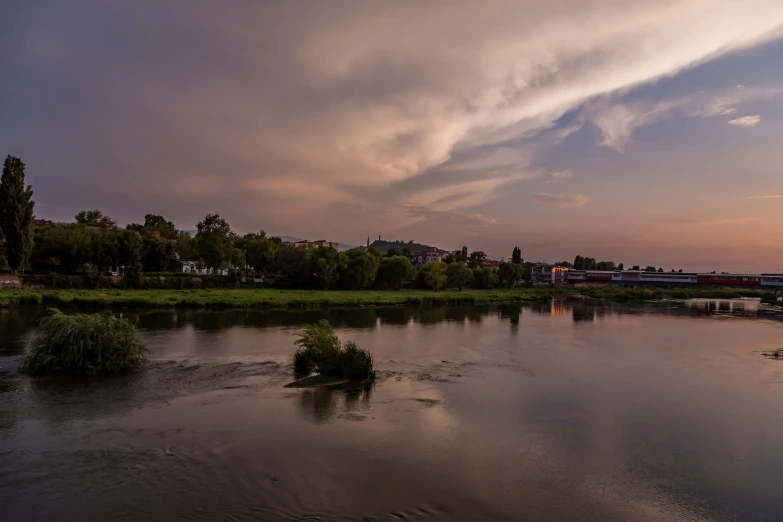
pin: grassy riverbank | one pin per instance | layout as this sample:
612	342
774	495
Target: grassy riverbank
248	298
260	298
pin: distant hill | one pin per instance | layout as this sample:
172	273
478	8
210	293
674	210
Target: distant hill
290	239
385	246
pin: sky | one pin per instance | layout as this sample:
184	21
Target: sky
639	132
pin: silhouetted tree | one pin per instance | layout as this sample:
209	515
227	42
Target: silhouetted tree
516	256
94	218
16	213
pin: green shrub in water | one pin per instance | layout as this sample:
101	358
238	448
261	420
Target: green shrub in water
319	350
84	344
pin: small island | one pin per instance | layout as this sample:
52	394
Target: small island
321	359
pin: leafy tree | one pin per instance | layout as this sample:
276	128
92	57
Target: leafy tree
214	241
290	267
392	252
91	275
130	255
185	246
238	260
516	256
476	259
620	267
130	249
63	247
157	251
406	252
323	265
649	269
509	274
433	275
393	272
680	270
360	270
94	218
458	275
635	267
449	259
660	269
260	250
605	266
484	278
462	256
16	213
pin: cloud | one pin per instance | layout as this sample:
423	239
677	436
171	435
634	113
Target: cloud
766	196
560	175
746	121
617	121
561	200
716	221
458	217
271	114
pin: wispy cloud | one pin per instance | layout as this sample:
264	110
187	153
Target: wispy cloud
451	215
716	221
617	121
766	196
560	175
562	200
746	121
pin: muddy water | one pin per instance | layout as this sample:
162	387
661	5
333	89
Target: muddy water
557	412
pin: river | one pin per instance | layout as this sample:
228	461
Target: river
550	412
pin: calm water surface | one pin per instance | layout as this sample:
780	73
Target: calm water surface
557	412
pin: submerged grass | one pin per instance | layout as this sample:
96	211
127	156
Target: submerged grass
84	344
319	350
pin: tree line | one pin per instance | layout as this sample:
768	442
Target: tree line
93	241
589	263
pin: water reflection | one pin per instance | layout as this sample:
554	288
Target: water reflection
557	411
17	324
322	405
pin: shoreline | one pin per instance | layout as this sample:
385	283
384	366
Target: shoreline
274	298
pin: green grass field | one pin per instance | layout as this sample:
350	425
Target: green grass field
250	298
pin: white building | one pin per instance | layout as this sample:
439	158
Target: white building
545	274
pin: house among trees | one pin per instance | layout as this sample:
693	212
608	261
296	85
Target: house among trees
316	244
193	267
429	255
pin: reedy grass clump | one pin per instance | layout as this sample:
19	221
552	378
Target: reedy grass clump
84	344
319	350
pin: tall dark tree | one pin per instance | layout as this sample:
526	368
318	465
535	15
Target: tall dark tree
214	241
462	255
516	256
16	213
476	259
94	218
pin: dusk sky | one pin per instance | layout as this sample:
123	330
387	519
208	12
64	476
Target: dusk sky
642	132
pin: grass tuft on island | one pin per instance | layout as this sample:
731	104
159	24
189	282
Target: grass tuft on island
334	362
84	344
298	299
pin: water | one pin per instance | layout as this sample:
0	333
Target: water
557	412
